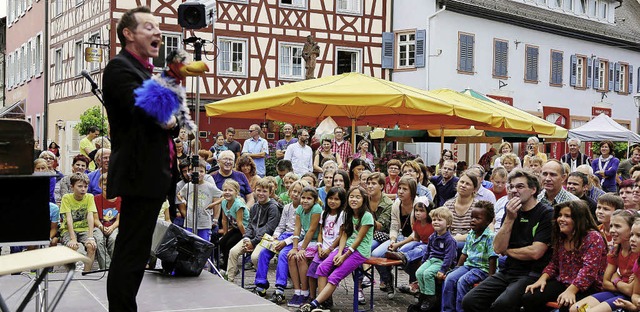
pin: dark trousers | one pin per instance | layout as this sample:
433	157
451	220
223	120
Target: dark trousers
227	241
537	300
500	292
138	218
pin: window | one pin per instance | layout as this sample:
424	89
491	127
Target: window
500	58
58	65
29	60
593	8
232	58
604	10
19	60
348	60
298	4
531	64
582	6
38	55
568	5
465	53
407	50
556	3
581	70
57	7
170	42
349	6
556	68
601	77
78	57
291	62
623	78
10	71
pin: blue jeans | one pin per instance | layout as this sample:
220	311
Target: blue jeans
282	270
413	250
457	284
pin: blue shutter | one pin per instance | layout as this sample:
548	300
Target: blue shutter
421	36
387	50
596	73
589	72
638	90
532	64
612	73
557	68
501	50
574	69
466	53
616	78
630	71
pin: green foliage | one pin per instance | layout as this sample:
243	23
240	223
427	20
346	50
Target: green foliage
270	161
619	149
92	117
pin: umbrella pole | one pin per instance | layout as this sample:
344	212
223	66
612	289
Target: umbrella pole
353	134
441	139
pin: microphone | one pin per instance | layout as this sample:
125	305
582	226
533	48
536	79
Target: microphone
85	74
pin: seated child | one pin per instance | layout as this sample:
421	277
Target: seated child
354	249
282	233
264	218
106	221
307	219
288	179
283	167
235	217
77	211
439	257
478	260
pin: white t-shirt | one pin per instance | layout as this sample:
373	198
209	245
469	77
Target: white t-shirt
331	229
207	192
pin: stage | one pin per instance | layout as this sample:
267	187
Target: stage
157	293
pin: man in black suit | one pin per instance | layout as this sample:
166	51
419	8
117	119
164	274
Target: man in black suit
143	169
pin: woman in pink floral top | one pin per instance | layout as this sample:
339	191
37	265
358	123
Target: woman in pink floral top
578	262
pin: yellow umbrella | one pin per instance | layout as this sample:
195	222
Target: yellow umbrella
511	119
351	97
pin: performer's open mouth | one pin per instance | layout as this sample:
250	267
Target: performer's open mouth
155	43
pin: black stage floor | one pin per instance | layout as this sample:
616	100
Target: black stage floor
157	293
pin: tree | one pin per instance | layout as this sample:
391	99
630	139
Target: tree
619	149
92	117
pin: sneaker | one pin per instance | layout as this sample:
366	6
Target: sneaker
361	297
396	255
321	310
304	300
327	304
305	308
262	293
366	282
277	298
391	292
79	266
295	302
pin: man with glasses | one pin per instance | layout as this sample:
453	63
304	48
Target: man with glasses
524	239
574	158
341	146
445	182
226	160
257	148
300	154
282	144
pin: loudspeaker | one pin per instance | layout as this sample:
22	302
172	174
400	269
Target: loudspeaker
182	253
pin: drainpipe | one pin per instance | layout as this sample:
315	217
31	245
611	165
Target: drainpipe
428	43
45	75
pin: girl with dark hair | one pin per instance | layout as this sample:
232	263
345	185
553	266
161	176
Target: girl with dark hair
446	155
353	251
578	261
356	167
341	179
616	283
304	237
330	222
605	167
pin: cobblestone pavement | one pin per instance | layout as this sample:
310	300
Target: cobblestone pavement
343	296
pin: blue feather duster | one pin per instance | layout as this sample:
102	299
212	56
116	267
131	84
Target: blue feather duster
158	99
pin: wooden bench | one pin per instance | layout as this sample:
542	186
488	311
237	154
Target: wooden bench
42	260
369	272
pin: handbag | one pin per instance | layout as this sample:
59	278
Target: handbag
381	236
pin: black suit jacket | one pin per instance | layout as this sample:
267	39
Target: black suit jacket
581	160
139	163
